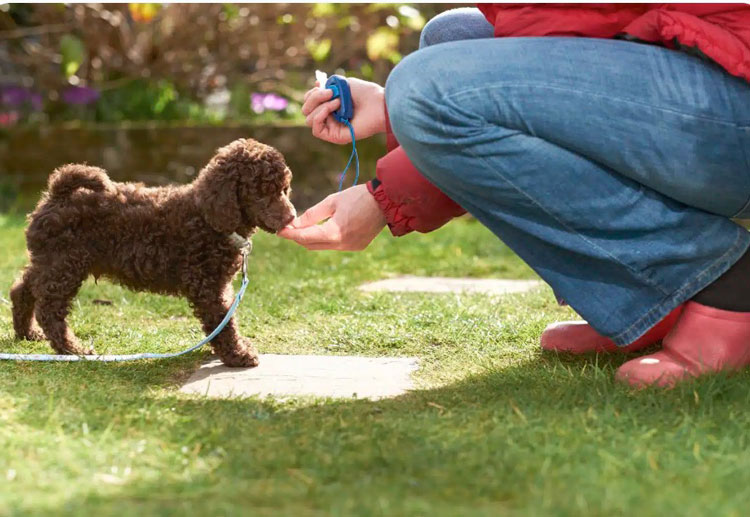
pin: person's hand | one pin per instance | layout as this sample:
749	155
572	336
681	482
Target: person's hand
369	112
354	220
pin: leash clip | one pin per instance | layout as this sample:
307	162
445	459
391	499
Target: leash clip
241	243
246	248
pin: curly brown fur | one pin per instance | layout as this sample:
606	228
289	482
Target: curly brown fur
170	240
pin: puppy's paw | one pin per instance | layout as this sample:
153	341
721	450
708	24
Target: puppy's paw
76	349
33	334
243	354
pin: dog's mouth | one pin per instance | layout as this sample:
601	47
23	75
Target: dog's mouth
275	226
286	222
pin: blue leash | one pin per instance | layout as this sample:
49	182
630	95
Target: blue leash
246	248
344	114
354	155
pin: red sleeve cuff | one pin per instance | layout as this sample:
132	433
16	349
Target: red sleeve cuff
398	224
408	201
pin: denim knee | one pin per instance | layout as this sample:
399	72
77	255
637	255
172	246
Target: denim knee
455	24
413	99
405	96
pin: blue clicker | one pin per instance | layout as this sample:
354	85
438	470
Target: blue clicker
340	89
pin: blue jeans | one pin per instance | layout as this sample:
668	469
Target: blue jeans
612	168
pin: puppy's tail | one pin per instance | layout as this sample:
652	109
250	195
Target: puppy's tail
68	178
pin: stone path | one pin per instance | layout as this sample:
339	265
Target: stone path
339	376
451	285
315	375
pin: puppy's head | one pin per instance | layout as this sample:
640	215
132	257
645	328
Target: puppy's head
246	184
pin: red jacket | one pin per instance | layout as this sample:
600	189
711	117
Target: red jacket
720	32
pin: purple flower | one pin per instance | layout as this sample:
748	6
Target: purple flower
17	96
79	95
267	101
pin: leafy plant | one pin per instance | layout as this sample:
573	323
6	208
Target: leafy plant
151	61
72	53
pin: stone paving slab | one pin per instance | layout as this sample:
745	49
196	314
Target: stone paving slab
310	375
436	284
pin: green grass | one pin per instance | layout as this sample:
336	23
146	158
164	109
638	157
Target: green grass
496	427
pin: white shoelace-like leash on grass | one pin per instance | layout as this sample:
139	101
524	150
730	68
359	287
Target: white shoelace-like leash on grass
245	246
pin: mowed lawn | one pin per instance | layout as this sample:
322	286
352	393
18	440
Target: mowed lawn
496	427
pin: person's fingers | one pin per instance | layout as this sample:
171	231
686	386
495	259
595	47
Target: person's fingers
320	116
316	214
316	97
323	247
323	236
326	108
318	121
311	90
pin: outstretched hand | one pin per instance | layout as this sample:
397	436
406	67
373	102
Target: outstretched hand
353	221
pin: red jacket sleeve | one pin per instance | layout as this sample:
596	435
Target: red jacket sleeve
408	200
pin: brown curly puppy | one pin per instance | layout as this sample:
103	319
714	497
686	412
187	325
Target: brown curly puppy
172	240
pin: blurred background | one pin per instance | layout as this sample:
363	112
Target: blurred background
149	91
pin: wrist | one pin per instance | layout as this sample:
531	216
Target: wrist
382	120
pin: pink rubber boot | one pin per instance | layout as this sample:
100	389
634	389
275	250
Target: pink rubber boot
578	337
704	340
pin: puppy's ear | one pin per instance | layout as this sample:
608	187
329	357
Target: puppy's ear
216	193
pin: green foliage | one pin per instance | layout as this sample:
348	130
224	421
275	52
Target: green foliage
411	17
383	44
231	11
320	49
239	103
145	100
73	53
166	94
8	195
328	9
285	19
366	71
155	61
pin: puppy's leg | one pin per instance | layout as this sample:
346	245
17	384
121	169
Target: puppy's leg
233	349
23	308
54	289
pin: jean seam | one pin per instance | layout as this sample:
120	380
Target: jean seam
636	273
747	165
495	86
708	270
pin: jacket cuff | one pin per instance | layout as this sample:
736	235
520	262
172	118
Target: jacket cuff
408	201
398	224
